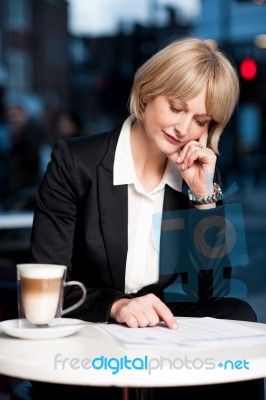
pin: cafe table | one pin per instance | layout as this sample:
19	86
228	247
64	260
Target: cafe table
68	360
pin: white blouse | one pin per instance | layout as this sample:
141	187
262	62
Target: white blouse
142	266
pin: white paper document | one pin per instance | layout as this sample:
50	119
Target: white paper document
191	332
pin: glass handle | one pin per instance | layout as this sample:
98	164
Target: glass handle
76	305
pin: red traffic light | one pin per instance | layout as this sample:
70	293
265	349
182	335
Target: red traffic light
248	69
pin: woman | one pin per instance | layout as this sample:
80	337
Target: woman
96	203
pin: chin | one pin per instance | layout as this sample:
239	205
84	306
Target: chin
168	151
169	154
165	148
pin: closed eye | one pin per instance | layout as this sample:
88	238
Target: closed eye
201	123
175	109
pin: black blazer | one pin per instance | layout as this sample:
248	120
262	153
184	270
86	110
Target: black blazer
80	221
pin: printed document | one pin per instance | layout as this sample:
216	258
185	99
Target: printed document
191	332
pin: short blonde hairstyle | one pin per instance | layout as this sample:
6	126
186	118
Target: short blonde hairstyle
181	70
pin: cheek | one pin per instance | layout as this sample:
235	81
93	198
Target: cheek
154	121
199	133
156	113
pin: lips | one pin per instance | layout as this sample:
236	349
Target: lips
171	139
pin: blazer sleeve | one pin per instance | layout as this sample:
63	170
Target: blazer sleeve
53	232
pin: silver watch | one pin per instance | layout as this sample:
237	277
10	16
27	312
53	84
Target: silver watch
216	196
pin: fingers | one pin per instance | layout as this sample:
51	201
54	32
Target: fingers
192	152
135	312
142	312
166	315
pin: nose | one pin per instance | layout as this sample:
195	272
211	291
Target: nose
182	125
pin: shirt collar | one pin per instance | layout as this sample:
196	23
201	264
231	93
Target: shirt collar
124	170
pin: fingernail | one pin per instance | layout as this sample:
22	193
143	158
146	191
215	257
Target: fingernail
178	159
183	166
175	326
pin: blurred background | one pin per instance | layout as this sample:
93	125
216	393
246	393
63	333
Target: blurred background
66	69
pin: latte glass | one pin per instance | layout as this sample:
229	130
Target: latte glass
41	292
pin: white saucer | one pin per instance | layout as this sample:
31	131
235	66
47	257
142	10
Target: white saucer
59	327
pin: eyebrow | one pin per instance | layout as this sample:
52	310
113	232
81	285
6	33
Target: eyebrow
204	115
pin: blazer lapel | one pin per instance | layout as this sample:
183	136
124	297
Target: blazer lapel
174	200
113	206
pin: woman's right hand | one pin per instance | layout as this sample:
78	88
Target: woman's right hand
140	312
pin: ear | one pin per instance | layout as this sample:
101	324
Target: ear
145	99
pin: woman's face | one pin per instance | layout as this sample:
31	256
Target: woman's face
171	123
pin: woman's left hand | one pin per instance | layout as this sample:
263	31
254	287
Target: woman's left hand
196	163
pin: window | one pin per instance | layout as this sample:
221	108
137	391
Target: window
18	14
19	70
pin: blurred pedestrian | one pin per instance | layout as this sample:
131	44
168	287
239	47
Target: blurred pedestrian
64	123
25	137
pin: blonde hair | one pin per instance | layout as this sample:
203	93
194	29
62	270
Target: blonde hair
181	70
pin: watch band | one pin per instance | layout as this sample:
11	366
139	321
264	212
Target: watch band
216	196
